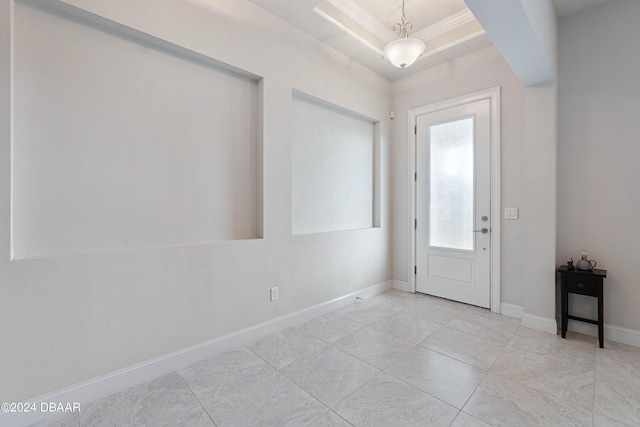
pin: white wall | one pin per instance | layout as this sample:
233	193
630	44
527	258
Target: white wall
477	71
540	176
538	275
599	151
120	144
65	319
333	168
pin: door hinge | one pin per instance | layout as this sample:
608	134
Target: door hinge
415	130
415	223
415	176
415	269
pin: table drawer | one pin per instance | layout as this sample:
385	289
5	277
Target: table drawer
585	285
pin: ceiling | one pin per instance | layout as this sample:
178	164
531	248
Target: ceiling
360	29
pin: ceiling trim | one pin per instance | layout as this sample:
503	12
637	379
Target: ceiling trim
355	21
344	21
451	44
445	25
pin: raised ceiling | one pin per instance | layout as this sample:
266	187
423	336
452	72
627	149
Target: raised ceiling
360	29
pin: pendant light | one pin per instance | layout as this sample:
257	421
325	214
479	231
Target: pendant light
404	50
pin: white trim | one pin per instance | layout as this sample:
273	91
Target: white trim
445	25
544	324
611	332
496	201
493	94
104	385
511	310
401	286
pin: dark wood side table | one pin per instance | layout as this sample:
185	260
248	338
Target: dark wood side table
582	282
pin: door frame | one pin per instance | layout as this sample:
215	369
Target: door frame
492	94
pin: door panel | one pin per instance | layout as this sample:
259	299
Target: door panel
452	200
451	268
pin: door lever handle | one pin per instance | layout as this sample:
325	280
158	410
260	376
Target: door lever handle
483	230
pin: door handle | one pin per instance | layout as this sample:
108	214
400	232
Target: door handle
483	230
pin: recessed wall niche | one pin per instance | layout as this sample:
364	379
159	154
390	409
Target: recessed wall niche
335	167
123	141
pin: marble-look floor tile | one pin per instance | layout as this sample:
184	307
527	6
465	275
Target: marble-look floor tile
330	419
613	346
431	301
366	312
395	300
577	348
64	420
399	293
441	376
223	374
465	347
435	314
331	327
374	347
465	420
165	401
406	327
600	420
619	361
564	380
329	375
538	379
496	328
617	398
284	347
502	402
488	314
386	401
240	389
270	400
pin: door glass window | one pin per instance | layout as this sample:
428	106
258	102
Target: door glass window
451	185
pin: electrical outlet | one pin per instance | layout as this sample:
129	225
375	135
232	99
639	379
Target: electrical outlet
274	294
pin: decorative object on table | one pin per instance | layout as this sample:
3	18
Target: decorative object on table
570	264
584	263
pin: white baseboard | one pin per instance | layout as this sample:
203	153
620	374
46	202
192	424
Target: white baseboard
401	286
529	320
611	332
104	385
539	323
511	310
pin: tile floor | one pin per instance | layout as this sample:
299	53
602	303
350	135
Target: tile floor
396	359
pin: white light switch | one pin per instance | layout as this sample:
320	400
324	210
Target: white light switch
510	213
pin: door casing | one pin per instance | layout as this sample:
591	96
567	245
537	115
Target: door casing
493	94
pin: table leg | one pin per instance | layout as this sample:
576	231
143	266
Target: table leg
565	311
600	319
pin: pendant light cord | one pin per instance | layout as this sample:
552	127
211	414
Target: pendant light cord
403	25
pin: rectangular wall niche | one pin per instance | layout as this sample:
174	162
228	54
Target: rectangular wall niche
334	167
120	143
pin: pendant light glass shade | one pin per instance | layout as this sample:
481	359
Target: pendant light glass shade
404	52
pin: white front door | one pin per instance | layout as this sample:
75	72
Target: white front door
453	203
